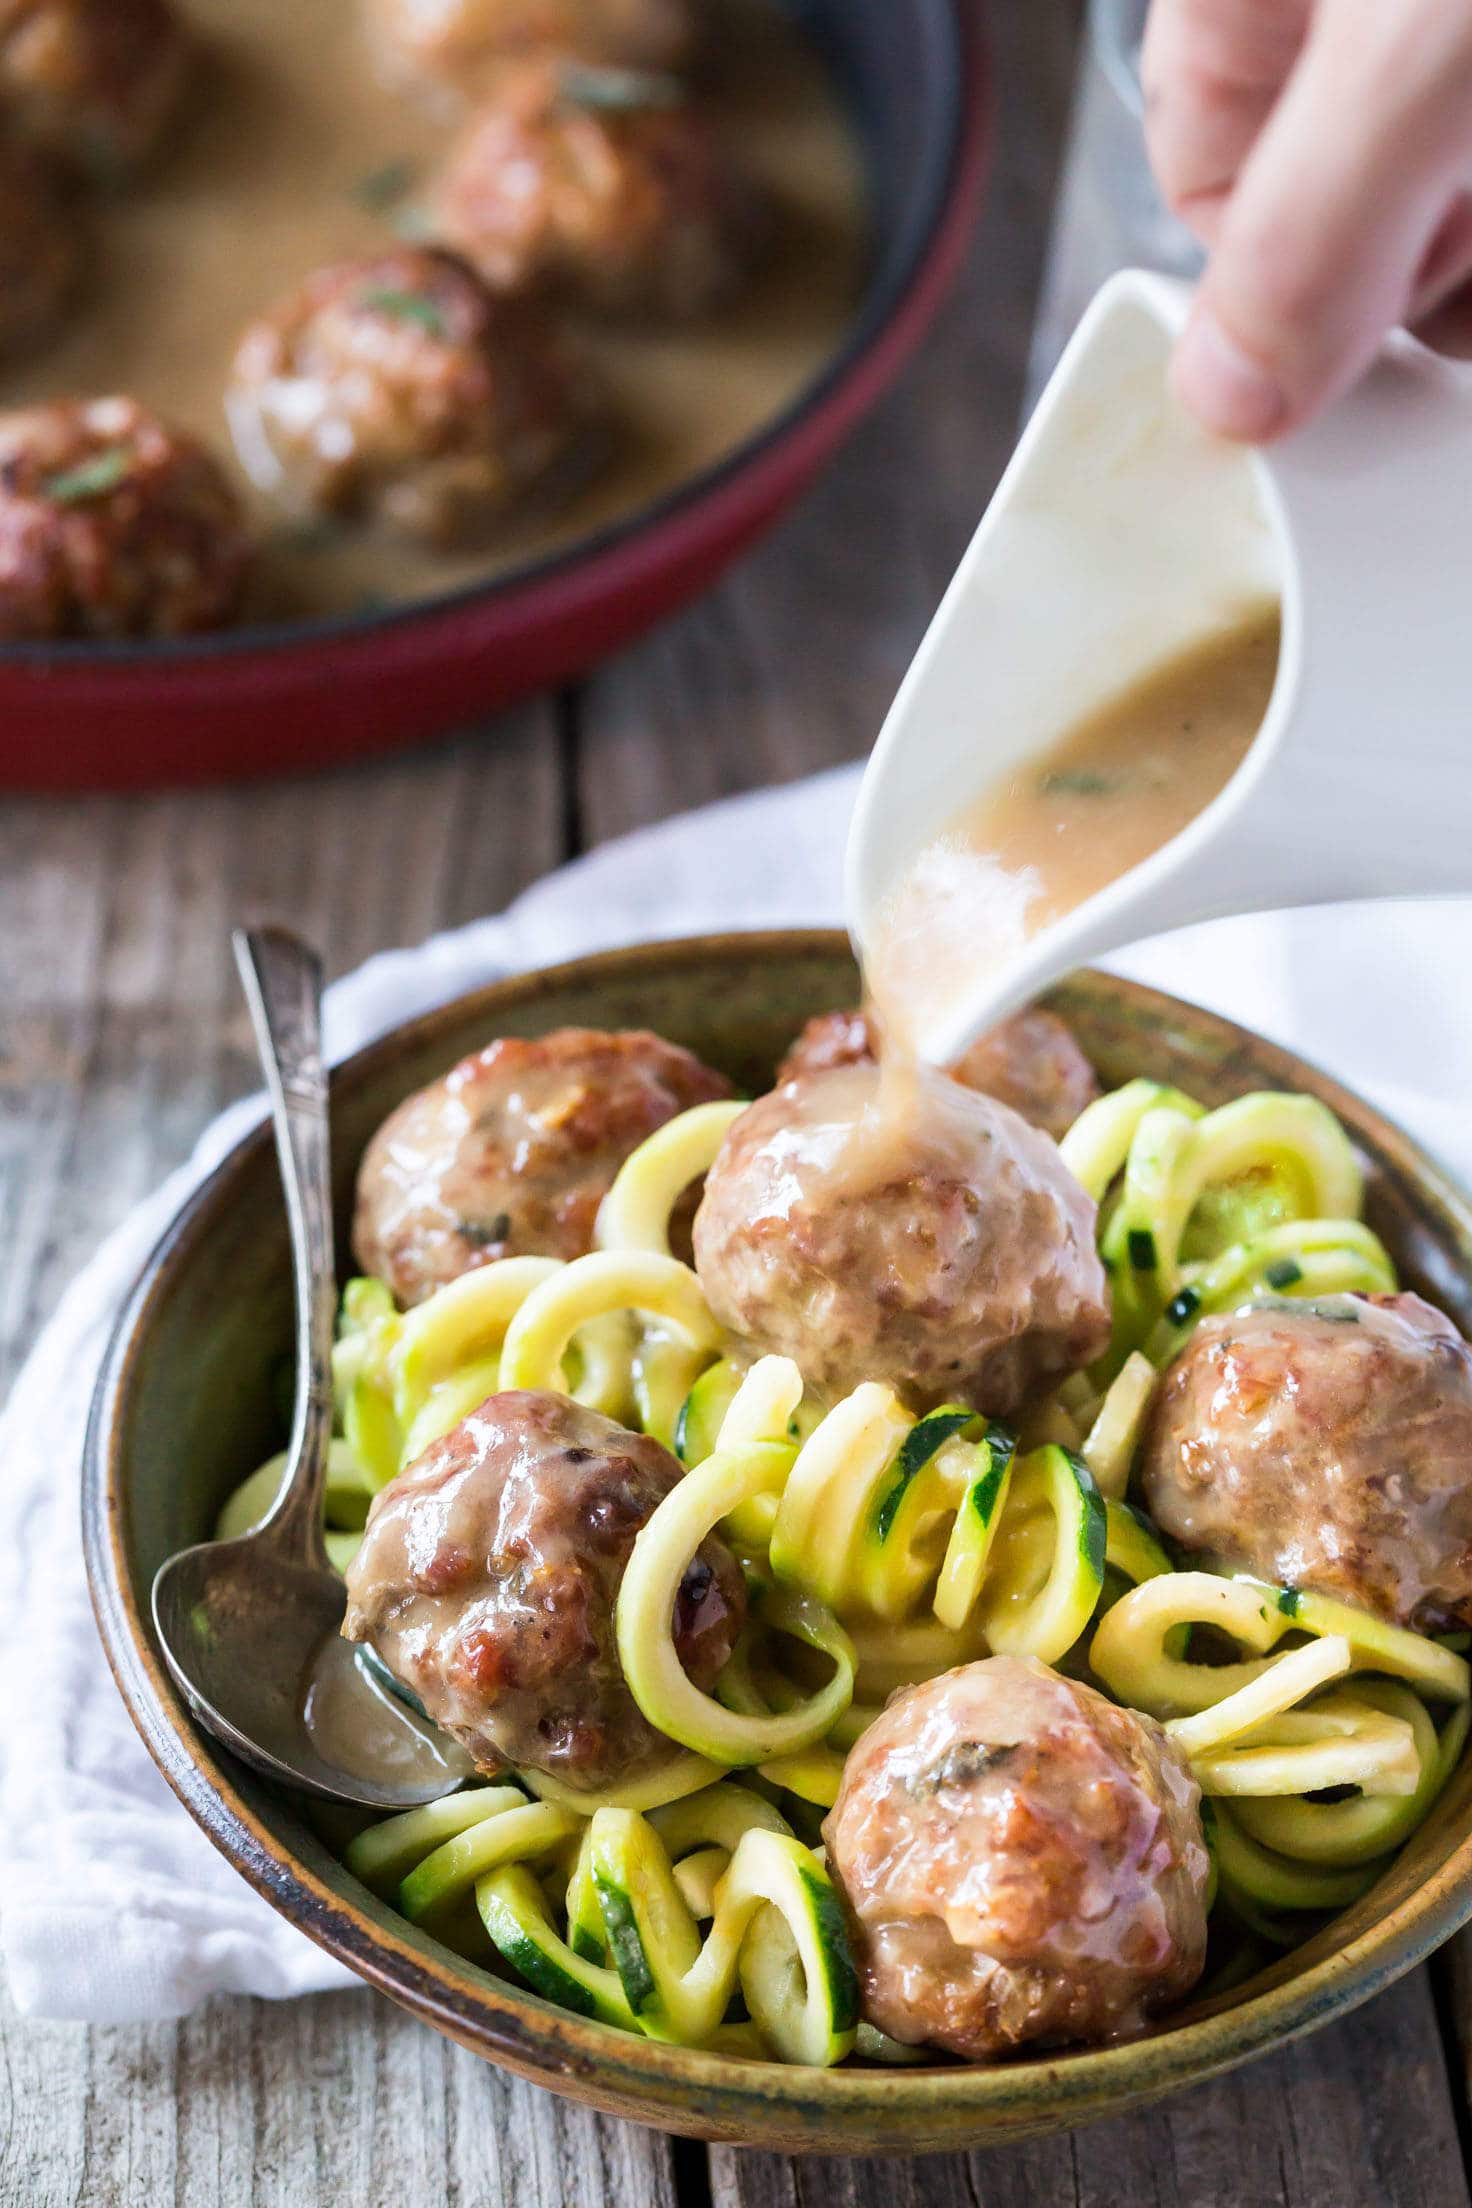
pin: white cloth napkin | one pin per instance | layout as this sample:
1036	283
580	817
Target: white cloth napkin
113	1906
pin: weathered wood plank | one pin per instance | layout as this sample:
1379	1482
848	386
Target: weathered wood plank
121	1028
337	2099
790	665
1354	2117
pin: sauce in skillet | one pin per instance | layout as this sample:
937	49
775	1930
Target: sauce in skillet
292	152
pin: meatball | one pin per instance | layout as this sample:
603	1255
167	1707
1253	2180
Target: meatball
513	1151
940	1245
609	189
1328	1446
487	1580
464	44
1030	1062
1020	1860
113	525
40	249
397	390
96	81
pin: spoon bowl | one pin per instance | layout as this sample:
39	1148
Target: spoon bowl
250	1628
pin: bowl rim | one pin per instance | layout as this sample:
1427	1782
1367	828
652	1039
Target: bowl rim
956	155
679	2087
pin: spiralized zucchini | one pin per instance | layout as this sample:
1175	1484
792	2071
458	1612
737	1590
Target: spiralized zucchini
880	1549
603	1915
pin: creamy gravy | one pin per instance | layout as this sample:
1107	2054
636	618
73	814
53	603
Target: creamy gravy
1115	788
291	154
360	1728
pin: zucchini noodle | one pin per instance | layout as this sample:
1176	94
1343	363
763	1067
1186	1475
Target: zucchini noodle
1184	1227
881	1548
635	1215
603	1915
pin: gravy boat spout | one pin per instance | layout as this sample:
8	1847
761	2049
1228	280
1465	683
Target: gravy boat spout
1121	535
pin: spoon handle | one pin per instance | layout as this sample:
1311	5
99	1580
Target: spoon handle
282	979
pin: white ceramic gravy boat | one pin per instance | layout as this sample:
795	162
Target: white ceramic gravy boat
1122	533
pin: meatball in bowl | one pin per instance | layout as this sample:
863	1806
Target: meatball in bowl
945	1249
487	1579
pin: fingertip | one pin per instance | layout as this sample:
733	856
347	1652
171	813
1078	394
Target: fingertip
1219	382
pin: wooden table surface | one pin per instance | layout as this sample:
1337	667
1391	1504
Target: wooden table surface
123	1033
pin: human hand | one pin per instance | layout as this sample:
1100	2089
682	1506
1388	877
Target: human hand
1322	151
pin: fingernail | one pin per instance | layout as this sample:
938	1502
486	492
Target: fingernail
1223	386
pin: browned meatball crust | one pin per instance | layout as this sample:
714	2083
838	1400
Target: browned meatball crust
1326	1446
512	1152
397	390
113	525
947	1251
611	190
1021	1861
40	249
96	81
463	45
1030	1062
487	1580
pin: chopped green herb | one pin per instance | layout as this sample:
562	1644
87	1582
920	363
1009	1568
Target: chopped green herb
406	306
89	478
482	1233
968	1760
383	188
1078	782
411	223
1288	1601
1183	1307
1142	1250
617	89
1283	1273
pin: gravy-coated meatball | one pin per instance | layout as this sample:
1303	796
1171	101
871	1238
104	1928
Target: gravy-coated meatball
1021	1861
463	45
1030	1062
96	81
487	1580
40	249
626	202
513	1151
1327	1446
397	390
113	525
941	1246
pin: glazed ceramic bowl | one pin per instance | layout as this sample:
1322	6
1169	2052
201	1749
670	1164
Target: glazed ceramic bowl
185	1408
261	700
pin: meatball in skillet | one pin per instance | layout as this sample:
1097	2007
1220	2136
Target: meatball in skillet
487	1580
1327	1446
512	1152
947	1250
95	81
113	525
1020	1860
608	189
1030	1062
460	46
397	390
40	249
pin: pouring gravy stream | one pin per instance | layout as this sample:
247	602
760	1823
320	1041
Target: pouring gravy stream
1108	793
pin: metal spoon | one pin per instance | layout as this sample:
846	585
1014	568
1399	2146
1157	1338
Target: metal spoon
244	1624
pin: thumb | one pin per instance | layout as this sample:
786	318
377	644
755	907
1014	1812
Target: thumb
1332	217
